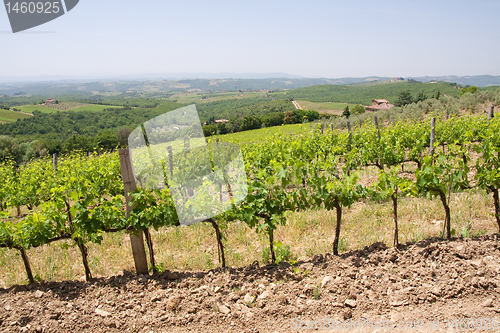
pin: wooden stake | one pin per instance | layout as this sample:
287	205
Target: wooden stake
54	161
375	120
349	147
137	240
271	246
394	198
491	113
187	145
433	136
220	184
171	161
336	240
16	170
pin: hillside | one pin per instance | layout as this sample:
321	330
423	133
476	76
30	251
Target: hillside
364	94
62	125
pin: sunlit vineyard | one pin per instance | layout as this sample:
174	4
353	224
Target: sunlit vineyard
82	199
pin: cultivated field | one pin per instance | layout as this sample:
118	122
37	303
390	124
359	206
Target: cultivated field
31	108
197	97
306	234
363	180
10	116
334	108
264	134
96	107
452	284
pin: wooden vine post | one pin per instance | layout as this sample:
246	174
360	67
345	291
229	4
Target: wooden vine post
54	161
375	120
16	170
433	136
137	240
394	198
349	147
170	161
491	113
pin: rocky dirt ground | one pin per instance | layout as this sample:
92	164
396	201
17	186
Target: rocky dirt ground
374	289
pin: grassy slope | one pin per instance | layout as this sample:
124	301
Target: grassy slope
264	133
9	116
189	98
96	107
31	108
325	107
93	107
364	94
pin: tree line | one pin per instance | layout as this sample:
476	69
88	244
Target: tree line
251	122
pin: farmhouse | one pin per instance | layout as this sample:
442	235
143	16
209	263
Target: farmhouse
379	104
218	121
49	101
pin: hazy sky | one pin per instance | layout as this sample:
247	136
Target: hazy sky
306	38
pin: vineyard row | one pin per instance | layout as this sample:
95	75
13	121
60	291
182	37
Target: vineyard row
84	197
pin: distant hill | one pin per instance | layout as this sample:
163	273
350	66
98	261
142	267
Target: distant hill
363	94
95	90
478	80
155	88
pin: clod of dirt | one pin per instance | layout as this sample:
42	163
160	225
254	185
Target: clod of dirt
326	280
488	303
223	309
350	303
248	298
265	294
102	313
347	314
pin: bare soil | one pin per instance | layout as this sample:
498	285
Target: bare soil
427	281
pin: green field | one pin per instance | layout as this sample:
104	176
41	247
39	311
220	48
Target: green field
91	107
189	98
335	108
10	116
31	108
96	107
263	134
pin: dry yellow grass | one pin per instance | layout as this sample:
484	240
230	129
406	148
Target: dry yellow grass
307	233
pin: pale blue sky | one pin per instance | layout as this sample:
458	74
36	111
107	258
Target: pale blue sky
307	38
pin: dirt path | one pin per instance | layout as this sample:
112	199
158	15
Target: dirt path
297	106
423	284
